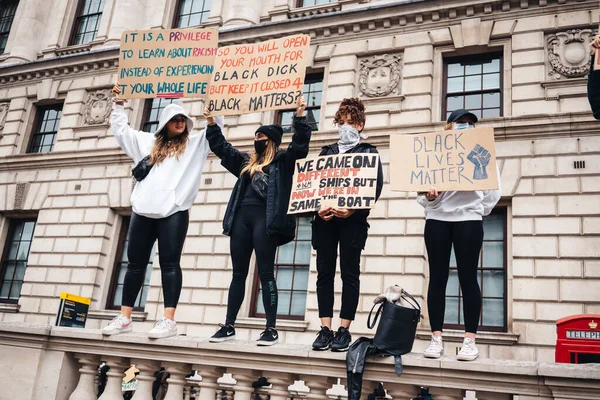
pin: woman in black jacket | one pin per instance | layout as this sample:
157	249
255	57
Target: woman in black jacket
346	228
256	216
594	81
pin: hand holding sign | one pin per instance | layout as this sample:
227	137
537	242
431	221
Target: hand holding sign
595	45
116	92
209	120
301	106
481	158
342	212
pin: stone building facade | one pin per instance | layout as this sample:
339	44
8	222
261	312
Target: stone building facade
520	64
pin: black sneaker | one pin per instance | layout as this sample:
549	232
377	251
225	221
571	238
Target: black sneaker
269	337
324	339
342	340
227	332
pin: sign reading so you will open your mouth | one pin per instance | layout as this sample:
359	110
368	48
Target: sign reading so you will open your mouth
236	79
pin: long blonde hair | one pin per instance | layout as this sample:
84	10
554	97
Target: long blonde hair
256	163
165	147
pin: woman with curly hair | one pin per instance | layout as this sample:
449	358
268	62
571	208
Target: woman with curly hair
160	201
346	228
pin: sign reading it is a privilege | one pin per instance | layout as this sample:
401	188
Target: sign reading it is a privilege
339	181
449	160
167	63
257	77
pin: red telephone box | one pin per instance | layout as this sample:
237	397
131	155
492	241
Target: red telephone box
578	339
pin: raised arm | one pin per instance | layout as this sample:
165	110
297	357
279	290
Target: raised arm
593	86
231	158
298	148
128	139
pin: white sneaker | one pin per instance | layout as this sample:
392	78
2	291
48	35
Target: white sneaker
120	324
163	328
468	351
435	348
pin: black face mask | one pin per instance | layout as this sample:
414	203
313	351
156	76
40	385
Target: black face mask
260	146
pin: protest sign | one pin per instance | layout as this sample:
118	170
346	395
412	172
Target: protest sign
339	181
448	160
259	76
167	62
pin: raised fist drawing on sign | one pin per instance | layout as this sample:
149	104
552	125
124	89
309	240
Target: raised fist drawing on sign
481	158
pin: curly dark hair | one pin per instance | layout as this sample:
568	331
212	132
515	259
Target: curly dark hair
353	106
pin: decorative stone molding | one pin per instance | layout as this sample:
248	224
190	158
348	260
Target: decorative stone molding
97	107
3	113
20	195
315	10
568	53
379	75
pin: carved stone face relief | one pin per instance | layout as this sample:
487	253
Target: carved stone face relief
3	113
379	76
97	107
568	53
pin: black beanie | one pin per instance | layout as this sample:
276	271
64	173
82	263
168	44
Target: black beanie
273	132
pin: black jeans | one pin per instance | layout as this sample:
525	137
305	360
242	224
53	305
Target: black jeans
249	232
467	238
141	236
351	235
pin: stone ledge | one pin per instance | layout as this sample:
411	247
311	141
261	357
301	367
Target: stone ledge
9	308
451	335
107	315
282	325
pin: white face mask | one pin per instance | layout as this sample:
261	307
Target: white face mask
349	137
459	126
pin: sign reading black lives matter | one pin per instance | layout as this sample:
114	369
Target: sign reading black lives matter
339	181
258	77
167	63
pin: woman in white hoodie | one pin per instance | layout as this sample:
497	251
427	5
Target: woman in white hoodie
160	202
455	219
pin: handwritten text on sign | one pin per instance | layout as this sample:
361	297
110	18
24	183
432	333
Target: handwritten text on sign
167	63
448	160
340	181
258	77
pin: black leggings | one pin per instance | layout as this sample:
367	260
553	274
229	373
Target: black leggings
467	238
249	232
142	234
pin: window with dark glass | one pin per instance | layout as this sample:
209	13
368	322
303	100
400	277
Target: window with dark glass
14	260
86	25
291	274
8	9
116	288
475	84
313	91
192	12
45	128
152	113
491	274
310	3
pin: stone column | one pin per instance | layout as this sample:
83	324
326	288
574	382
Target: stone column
121	20
280	382
318	386
208	385
145	378
28	31
298	389
176	379
87	378
398	391
243	387
241	12
114	378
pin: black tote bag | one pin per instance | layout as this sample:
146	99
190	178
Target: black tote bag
397	327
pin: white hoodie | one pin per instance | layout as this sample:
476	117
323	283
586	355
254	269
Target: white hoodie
461	206
172	185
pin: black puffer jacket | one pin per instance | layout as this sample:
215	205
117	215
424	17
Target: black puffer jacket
594	90
280	171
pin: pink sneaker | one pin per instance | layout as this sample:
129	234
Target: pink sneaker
120	324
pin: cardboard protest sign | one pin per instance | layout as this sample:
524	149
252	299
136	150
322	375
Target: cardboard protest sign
167	62
259	76
449	160
340	181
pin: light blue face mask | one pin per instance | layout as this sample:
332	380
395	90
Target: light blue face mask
462	125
